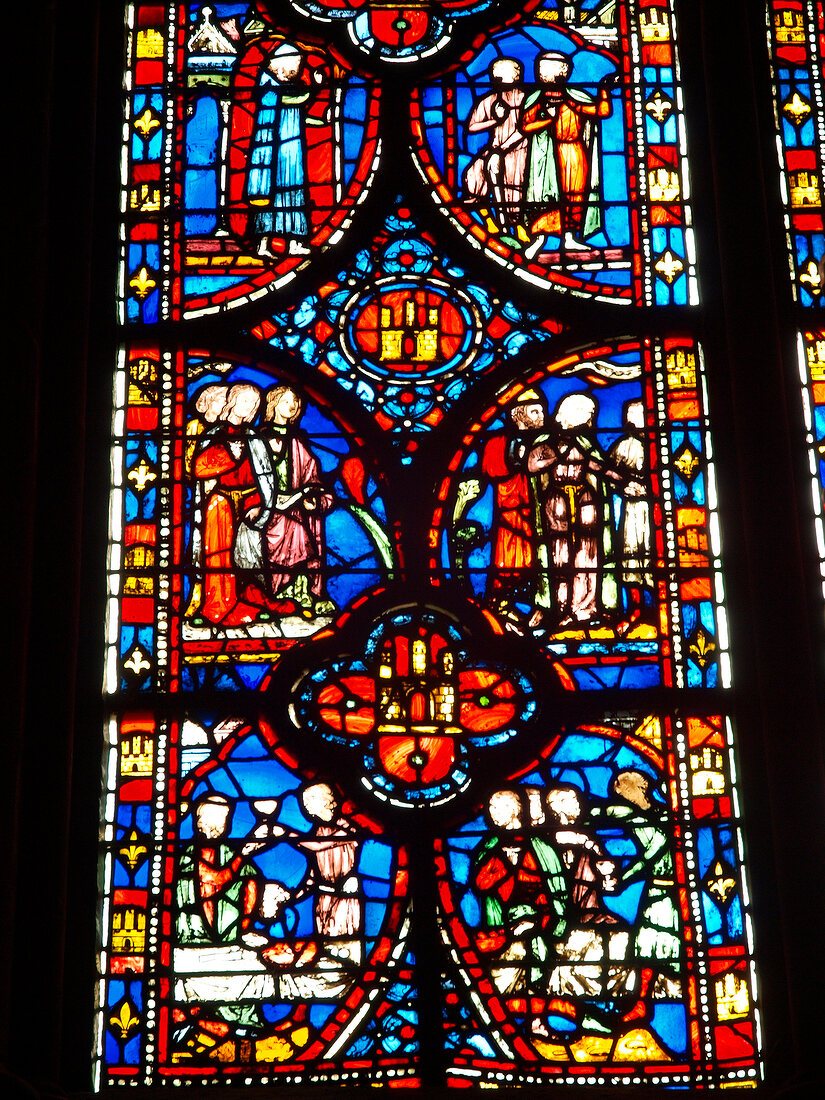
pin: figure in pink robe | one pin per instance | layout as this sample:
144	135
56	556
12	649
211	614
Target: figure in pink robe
496	175
293	535
334	852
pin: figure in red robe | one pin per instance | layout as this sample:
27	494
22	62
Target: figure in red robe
226	461
513	518
563	175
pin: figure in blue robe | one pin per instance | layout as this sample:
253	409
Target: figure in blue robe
277	174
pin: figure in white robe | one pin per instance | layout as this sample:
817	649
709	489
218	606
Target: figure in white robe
334	852
629	457
496	175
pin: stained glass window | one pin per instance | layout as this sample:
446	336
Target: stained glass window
420	765
796	45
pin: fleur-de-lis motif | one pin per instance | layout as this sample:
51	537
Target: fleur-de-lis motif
812	277
141	475
797	109
143	282
659	106
146	123
124	1021
669	266
686	464
131	851
721	884
137	662
702	649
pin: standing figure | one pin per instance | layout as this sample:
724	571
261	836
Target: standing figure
293	509
225	462
590	871
496	175
276	184
563	172
334	852
629	457
217	888
568	472
208	404
521	880
657	943
514	520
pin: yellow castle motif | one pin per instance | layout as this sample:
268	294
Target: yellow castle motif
143	376
654	25
138	557
804	188
149	43
136	754
732	998
425	335
663	184
681	369
145	197
815	354
789	28
128	931
708	773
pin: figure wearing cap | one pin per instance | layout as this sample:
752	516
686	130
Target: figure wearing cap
514	529
563	168
276	185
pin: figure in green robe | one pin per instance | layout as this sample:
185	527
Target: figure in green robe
657	941
521	880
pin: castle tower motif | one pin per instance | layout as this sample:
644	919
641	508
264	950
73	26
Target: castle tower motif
681	370
410	331
708	773
789	27
816	360
136	754
654	25
128	931
732	997
418	694
804	188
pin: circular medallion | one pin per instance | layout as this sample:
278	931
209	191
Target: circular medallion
410	330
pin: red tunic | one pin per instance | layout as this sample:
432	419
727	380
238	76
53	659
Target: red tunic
235	492
512	549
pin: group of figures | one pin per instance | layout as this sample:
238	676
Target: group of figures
258	507
560	958
241	939
537	177
571	530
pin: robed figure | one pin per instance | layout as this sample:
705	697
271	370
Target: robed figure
224	461
576	580
563	181
294	502
276	186
495	177
520	878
